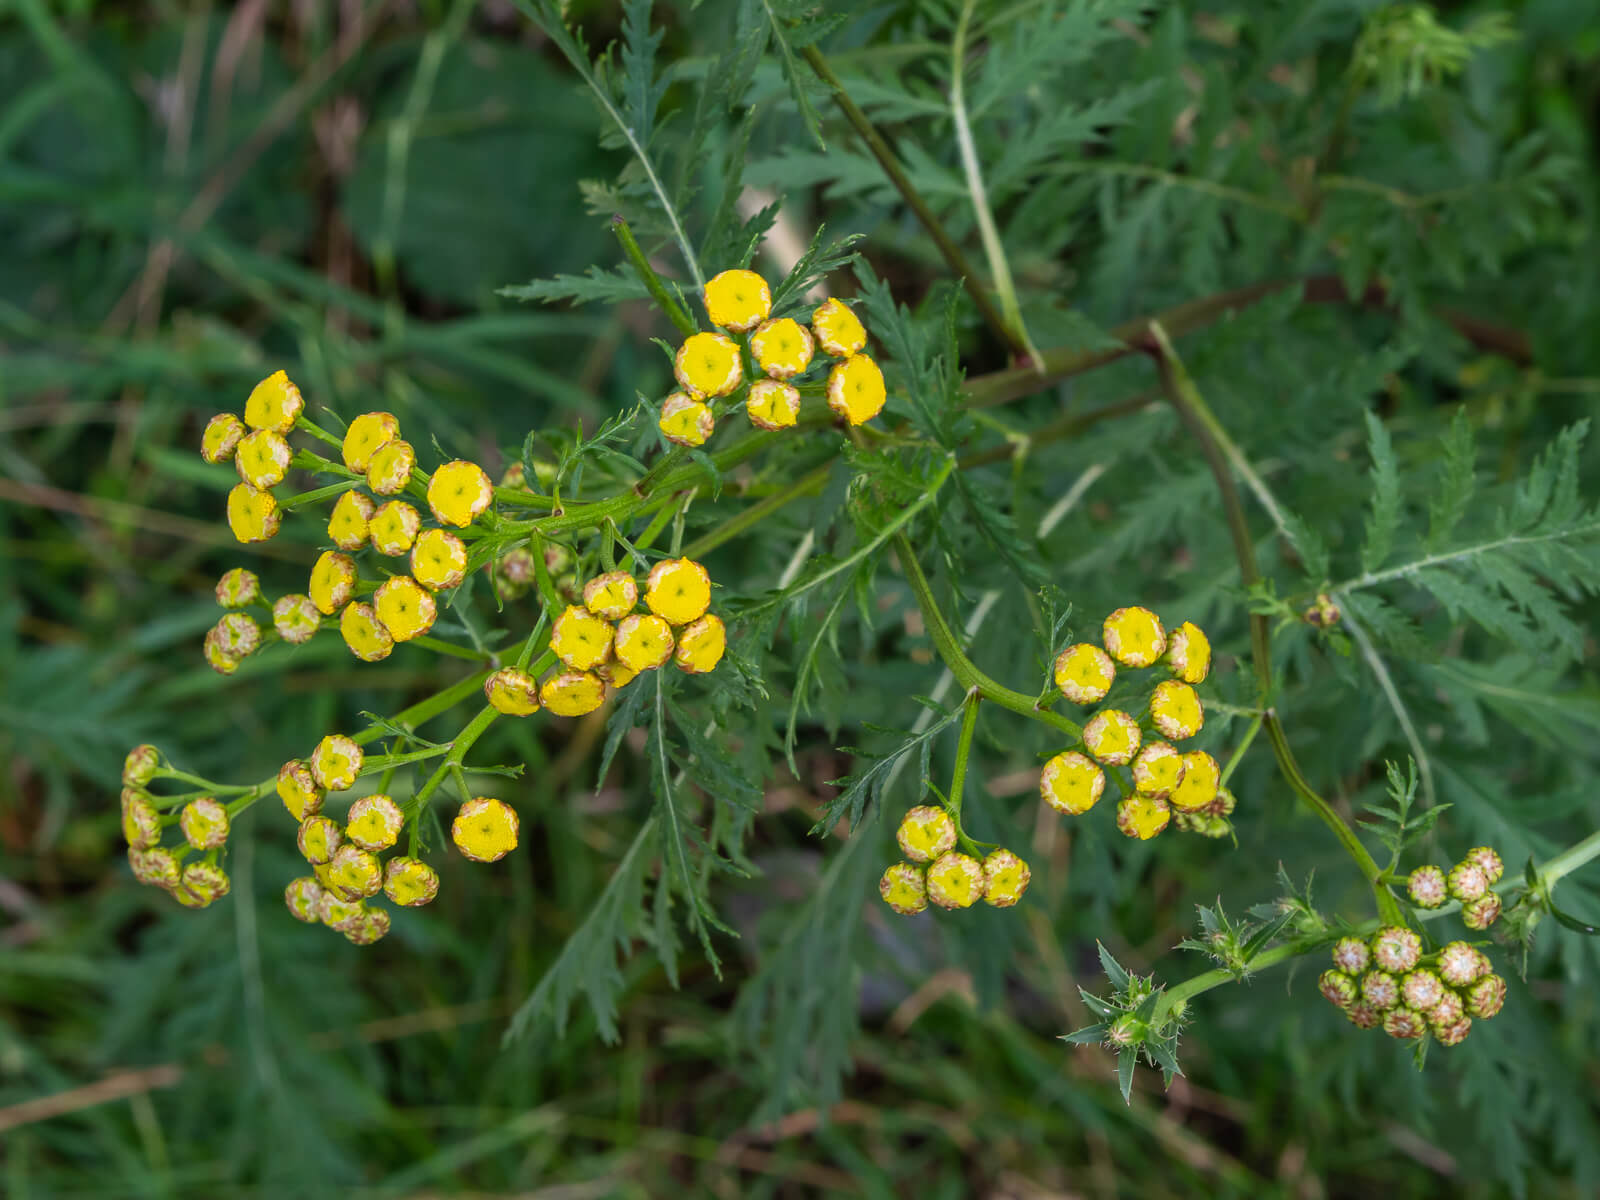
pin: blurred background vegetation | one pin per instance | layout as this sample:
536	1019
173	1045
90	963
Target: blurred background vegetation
195	194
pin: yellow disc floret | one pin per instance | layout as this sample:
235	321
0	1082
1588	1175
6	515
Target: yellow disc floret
1142	817
1198	787
262	459
274	404
355	871
336	762
955	881
459	492
350	523
580	639
783	347
708	364
221	438
1134	637
572	693
368	434
439	560
1071	783
772	405
204	823
485	829
1176	710
839	331
678	590
394	527
1005	878
299	790
374	822
686	421
410	881
252	515
925	833
701	645
1084	673
904	888
406	608
738	300
1157	771
319	839
333	578
389	469
296	618
612	595
644	642
364	633
1112	737
513	692
1189	653
855	389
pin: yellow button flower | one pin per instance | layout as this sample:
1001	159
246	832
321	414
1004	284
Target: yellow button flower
678	590
318	839
904	888
336	762
485	829
204	823
612	595
572	693
390	468
459	492
772	405
708	364
615	675
366	636
1176	710
783	347
299	790
349	525
955	881
252	515
406	608
855	389
333	578
206	882
141	823
701	645
1134	636
221	438
1142	817
156	867
513	692
1201	778
580	639
925	833
262	459
355	871
1189	653
303	899
1071	783
738	300
368	433
374	823
218	659
393	528
140	767
336	913
237	635
1005	878
410	882
296	618
238	588
1157	771
1084	673
686	421
370	925
644	642
439	560
274	404
839	331
1112	737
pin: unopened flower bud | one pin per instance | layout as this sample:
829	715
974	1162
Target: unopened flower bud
955	880
1459	964
1486	997
319	839
206	880
1396	949
1488	861
512	692
1142	817
1404	1023
369	926
350	522
1427	887
1337	988
1362	1015
155	866
410	882
1084	673
221	438
1198	787
296	618
204	823
1189	653
1482	912
139	768
374	822
1350	955
1134	637
1112	737
1421	990
904	888
1466	882
1005	878
1380	989
238	588
1071	783
303	899
926	833
1324	614
1157	770
141	823
1176	710
336	762
485	830
1454	1033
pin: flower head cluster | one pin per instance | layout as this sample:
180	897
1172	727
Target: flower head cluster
188	868
1166	780
1469	883
936	871
1387	980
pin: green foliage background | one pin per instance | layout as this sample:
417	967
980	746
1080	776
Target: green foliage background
192	196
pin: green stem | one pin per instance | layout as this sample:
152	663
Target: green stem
1238	751
1569	860
652	282
464	740
306	425
958	774
450	648
813	481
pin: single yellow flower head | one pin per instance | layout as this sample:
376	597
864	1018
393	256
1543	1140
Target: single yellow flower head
204	823
274	404
613	595
701	645
1189	653
221	438
708	364
783	347
253	515
237	635
187	898
644	642
319	839
374	823
390	468
336	762
1084	673
1198	787
349	525
678	590
299	790
336	913
955	881
330	882
686	421
439	560
1142	817
1112	736
238	588
356	871
406	608
296	618
580	639
333	579
772	405
1071	783
368	433
394	527
485	830
615	675
368	638
205	881
218	659
141	765
1176	710
1005	878
513	692
1157	771
572	693
855	389
459	492
904	888
1134	636
262	459
738	300
839	331
155	867
141	823
410	882
369	926
303	899
925	833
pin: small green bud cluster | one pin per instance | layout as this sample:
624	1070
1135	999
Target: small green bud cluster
1469	883
935	870
1387	980
187	870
